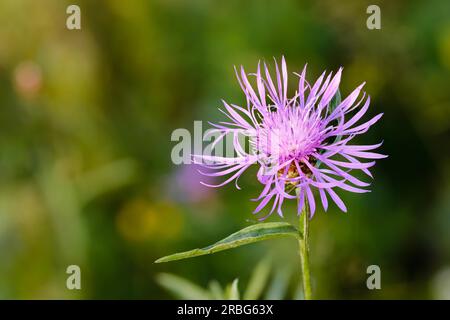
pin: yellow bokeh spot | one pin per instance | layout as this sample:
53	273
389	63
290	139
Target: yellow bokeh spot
368	71
141	220
444	46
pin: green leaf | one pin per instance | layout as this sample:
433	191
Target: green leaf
254	233
182	288
279	285
232	291
258	280
216	290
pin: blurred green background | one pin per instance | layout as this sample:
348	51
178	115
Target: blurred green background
86	117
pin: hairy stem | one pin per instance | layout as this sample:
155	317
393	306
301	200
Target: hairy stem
304	250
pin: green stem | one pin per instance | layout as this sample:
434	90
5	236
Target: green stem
303	244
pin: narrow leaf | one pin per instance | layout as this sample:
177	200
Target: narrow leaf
181	287
216	290
279	285
232	292
258	280
254	233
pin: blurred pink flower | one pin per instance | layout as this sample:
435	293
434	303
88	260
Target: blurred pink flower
185	186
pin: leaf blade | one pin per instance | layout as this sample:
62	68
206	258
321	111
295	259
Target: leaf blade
182	288
232	292
251	234
258	279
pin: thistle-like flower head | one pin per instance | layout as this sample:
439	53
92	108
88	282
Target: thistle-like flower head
301	143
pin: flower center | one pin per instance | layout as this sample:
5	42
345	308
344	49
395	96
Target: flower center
292	171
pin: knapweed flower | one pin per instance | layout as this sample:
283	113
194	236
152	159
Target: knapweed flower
301	143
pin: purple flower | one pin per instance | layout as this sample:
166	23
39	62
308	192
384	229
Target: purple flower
300	143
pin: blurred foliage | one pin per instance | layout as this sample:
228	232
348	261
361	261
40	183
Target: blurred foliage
258	286
86	117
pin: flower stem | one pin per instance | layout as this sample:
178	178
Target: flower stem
304	250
